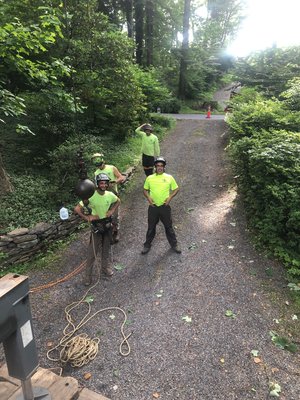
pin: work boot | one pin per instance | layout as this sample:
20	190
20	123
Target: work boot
108	271
145	250
176	249
115	237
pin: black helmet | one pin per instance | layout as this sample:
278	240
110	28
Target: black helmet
160	159
102	177
85	189
147	127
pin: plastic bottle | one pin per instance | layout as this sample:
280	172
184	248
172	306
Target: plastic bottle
64	213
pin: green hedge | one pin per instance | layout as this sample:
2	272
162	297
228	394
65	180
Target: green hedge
266	162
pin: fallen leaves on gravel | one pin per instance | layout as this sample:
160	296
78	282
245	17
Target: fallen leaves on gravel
156	395
230	314
119	267
282	343
89	299
190	209
87	376
257	360
186	318
275	389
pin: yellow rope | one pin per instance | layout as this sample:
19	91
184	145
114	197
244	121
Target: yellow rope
79	350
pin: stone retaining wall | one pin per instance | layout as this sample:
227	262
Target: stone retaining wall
21	244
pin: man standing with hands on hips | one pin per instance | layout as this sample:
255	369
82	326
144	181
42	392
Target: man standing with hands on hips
159	190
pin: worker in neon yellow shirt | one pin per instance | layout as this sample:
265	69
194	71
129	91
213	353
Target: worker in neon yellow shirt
103	205
159	190
116	178
150	147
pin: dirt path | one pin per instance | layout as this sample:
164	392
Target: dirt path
210	357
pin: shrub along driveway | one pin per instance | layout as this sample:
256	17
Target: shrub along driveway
200	321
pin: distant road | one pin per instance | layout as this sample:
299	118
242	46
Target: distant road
194	116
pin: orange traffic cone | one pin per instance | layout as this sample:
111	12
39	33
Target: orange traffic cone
208	114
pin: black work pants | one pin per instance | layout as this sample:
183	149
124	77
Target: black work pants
148	164
162	213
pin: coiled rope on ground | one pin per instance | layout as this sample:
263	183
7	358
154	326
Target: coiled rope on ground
80	349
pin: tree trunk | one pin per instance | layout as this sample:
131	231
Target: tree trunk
149	31
139	30
5	185
184	50
129	17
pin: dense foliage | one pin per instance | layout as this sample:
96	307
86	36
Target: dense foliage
42	195
70	74
269	71
265	148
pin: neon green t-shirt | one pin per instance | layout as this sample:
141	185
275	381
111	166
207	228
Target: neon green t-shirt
159	187
101	204
150	144
109	171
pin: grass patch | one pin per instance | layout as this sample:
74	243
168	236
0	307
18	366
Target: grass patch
187	110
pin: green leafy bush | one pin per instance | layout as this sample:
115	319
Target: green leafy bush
64	168
156	94
253	113
28	204
292	94
269	181
161	120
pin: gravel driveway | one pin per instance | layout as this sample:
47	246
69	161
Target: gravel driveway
206	355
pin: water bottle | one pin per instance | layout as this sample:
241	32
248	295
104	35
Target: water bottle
64	213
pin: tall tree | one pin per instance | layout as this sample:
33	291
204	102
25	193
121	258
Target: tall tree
128	7
184	50
139	30
223	21
149	31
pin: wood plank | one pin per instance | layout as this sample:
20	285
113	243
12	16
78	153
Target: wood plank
6	377
64	388
87	394
8	385
7	389
59	388
44	378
